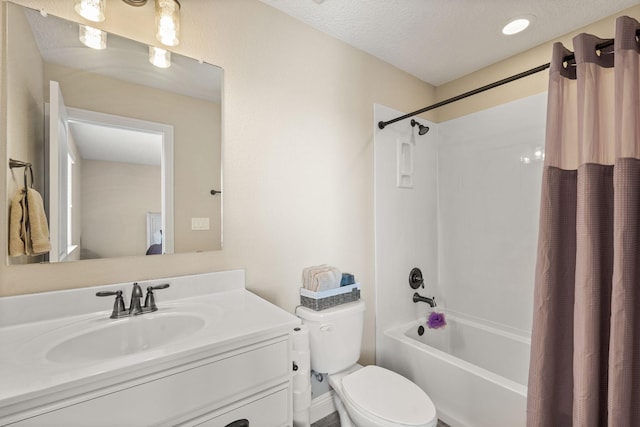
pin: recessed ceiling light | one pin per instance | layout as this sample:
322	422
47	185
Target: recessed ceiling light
516	25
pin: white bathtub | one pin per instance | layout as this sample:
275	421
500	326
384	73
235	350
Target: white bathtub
475	374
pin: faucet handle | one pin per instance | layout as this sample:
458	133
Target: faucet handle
150	300
108	293
118	305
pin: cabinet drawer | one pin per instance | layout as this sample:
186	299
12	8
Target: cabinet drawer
197	389
269	411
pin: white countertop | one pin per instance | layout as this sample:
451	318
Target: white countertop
232	314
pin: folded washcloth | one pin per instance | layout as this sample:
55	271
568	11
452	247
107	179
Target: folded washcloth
307	275
325	280
320	278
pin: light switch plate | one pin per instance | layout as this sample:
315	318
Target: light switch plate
199	223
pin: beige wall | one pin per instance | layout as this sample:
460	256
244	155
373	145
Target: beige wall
26	113
298	152
521	88
115	200
197	143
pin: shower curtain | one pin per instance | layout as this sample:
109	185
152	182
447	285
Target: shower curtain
585	349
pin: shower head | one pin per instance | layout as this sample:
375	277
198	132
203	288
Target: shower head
422	129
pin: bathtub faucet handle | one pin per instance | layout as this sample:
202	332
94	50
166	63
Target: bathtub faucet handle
419	298
415	278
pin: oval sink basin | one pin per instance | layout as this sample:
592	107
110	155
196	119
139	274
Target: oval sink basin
125	336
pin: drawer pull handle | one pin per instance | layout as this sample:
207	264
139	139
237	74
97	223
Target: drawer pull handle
239	423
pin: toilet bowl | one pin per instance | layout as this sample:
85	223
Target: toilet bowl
372	396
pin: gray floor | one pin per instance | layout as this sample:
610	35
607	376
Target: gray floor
333	420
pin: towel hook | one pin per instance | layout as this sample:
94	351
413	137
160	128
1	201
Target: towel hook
13	163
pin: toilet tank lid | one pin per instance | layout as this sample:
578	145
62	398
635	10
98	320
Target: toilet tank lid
347	309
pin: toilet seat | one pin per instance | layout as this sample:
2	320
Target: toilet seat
388	396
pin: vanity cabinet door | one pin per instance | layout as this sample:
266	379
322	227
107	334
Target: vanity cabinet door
269	411
215	383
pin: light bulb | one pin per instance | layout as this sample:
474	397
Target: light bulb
168	22
516	26
92	37
161	58
93	10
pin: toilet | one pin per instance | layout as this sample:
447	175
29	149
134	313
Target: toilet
372	396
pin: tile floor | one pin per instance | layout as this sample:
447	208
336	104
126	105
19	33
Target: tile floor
332	420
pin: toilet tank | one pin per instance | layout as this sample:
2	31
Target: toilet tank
335	335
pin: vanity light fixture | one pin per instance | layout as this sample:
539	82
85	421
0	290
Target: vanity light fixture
93	10
159	57
168	22
517	25
92	37
167	16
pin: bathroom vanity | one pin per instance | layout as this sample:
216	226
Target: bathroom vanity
213	354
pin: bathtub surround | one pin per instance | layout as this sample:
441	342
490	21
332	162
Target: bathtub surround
584	351
406	222
489	177
470	224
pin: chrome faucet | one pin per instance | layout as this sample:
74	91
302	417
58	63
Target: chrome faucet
135	308
419	298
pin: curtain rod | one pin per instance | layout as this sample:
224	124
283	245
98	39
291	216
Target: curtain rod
568	58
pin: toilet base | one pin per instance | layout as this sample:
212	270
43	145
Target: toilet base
345	421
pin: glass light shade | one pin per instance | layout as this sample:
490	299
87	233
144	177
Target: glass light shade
93	10
168	22
159	57
92	37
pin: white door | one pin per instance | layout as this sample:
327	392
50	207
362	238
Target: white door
58	172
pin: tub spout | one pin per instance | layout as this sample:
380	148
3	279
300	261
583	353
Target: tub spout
419	298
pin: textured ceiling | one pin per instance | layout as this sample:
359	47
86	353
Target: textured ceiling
441	40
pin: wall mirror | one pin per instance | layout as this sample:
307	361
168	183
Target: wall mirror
125	154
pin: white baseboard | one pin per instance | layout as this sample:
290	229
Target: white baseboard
322	406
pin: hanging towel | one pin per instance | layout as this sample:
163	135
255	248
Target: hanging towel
39	230
16	225
28	229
